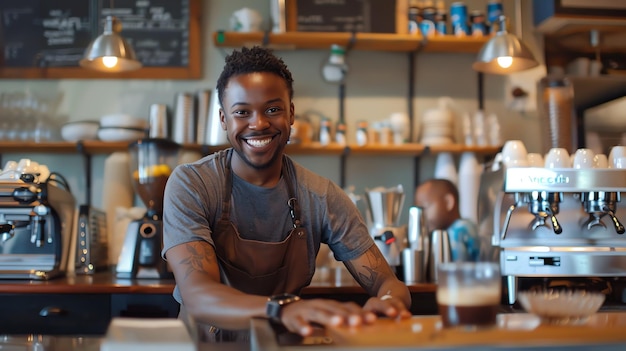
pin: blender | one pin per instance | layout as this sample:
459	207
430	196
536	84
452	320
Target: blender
151	163
384	207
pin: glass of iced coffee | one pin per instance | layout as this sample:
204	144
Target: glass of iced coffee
469	294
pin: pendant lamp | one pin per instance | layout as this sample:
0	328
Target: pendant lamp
504	53
109	52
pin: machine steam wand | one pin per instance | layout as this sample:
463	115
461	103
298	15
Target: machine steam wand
37	221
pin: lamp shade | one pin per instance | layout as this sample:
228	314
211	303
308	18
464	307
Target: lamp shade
504	54
109	52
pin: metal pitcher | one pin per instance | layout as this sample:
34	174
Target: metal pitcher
440	252
384	206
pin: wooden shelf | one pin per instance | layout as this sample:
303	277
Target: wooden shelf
93	147
361	41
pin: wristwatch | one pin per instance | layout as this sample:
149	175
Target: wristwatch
276	303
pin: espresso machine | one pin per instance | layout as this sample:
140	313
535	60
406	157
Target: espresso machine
36	222
384	207
151	163
554	223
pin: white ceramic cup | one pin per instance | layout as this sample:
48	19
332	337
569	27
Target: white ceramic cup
615	153
557	158
600	161
514	154
583	159
620	162
535	160
246	20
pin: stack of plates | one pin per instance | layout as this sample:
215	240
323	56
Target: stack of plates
122	127
437	127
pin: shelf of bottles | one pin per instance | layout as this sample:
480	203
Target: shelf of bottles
94	147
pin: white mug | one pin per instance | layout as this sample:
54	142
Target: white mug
619	162
514	154
583	158
246	20
600	161
557	158
535	160
615	153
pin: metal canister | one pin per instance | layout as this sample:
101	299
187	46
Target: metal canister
441	19
159	124
478	25
458	18
494	11
414	16
427	26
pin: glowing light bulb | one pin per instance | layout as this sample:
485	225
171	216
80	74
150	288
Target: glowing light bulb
109	61
505	61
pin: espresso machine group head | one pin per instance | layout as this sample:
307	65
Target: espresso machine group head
554	222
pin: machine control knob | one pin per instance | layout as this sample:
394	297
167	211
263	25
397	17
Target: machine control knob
387	237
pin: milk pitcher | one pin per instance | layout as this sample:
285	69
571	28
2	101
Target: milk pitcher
440	252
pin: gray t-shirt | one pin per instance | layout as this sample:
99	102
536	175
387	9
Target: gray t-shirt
193	205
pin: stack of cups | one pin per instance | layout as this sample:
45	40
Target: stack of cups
413	257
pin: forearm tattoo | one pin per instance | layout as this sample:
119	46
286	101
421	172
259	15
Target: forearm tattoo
369	273
199	260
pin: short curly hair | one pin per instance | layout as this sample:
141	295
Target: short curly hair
251	60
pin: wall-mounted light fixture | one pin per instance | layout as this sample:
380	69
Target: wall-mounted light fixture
504	53
109	52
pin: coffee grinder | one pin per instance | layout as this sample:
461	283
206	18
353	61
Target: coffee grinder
151	162
384	207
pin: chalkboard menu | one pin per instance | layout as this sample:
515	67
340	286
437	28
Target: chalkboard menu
366	16
54	34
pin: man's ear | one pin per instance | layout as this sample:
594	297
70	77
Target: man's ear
449	201
292	113
222	119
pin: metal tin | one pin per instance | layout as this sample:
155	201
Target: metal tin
494	11
427	26
441	21
159	125
458	18
478	25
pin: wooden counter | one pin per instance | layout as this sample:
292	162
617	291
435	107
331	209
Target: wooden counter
107	283
84	304
520	331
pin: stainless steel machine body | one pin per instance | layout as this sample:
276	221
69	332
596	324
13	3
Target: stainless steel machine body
36	221
554	222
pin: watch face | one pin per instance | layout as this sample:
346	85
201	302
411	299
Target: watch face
276	302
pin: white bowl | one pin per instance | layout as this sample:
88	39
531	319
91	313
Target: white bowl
123	120
561	307
121	134
80	130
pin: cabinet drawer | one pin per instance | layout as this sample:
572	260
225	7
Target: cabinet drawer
54	313
144	306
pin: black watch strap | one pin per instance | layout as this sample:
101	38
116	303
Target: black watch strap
276	303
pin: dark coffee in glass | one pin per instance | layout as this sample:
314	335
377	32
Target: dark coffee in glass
469	294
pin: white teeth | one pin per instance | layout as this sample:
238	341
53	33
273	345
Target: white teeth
258	143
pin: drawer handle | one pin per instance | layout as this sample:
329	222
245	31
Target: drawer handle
52	311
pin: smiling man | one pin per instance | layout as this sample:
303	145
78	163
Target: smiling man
242	227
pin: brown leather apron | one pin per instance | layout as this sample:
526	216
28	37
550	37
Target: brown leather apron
257	267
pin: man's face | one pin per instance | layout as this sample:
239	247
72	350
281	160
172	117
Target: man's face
257	115
434	206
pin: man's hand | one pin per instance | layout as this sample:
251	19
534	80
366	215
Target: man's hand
298	317
387	306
